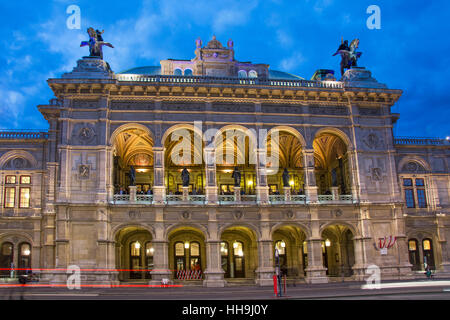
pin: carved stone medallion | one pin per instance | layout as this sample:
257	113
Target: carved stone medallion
83	171
238	215
377	174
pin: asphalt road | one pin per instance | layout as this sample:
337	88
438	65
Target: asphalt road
432	290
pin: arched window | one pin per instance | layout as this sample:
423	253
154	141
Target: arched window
180	256
24	257
194	256
242	74
149	250
188	72
252	74
6	257
224	258
238	259
280	245
135	260
428	257
305	256
177	72
414	257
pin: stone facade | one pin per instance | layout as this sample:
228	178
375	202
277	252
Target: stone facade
340	137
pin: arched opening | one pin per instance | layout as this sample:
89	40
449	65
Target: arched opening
177	72
285	151
242	74
184	150
291	244
414	255
331	164
134	254
239	253
188	72
235	153
428	256
187	253
133	147
252	74
338	251
6	258
24	262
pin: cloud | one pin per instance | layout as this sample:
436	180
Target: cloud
12	106
292	62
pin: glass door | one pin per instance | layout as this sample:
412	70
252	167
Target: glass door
238	257
224	259
135	260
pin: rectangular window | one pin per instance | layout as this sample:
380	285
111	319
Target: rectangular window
10	195
25	179
407	182
24	196
421	198
10	179
409	196
419	183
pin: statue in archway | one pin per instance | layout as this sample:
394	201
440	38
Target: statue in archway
132	175
236	175
185	177
95	43
286	178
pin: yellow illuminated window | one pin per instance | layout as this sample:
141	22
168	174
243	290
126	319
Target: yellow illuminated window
305	247
281	246
426	245
25	179
10	179
195	249
135	249
412	245
10	195
24	198
179	249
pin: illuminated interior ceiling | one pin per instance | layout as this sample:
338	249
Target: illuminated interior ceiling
134	147
175	149
327	148
236	144
289	151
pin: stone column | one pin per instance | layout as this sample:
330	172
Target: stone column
132	194
310	176
445	261
262	190
354	176
161	254
315	272
159	189
237	194
61	246
287	194
335	193
214	272
185	194
401	245
210	174
105	254
265	270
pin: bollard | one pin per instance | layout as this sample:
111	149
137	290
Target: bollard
275	285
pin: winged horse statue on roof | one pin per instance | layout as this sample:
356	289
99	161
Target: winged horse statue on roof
348	54
95	43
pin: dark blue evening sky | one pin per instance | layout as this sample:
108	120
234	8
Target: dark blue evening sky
410	52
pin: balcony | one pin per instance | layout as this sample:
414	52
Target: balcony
231	199
412	141
228	80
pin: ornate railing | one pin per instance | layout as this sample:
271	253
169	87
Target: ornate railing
124	198
421	141
248	198
144	198
228	80
298	198
225	198
23	134
276	198
197	198
174	198
346	197
325	198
